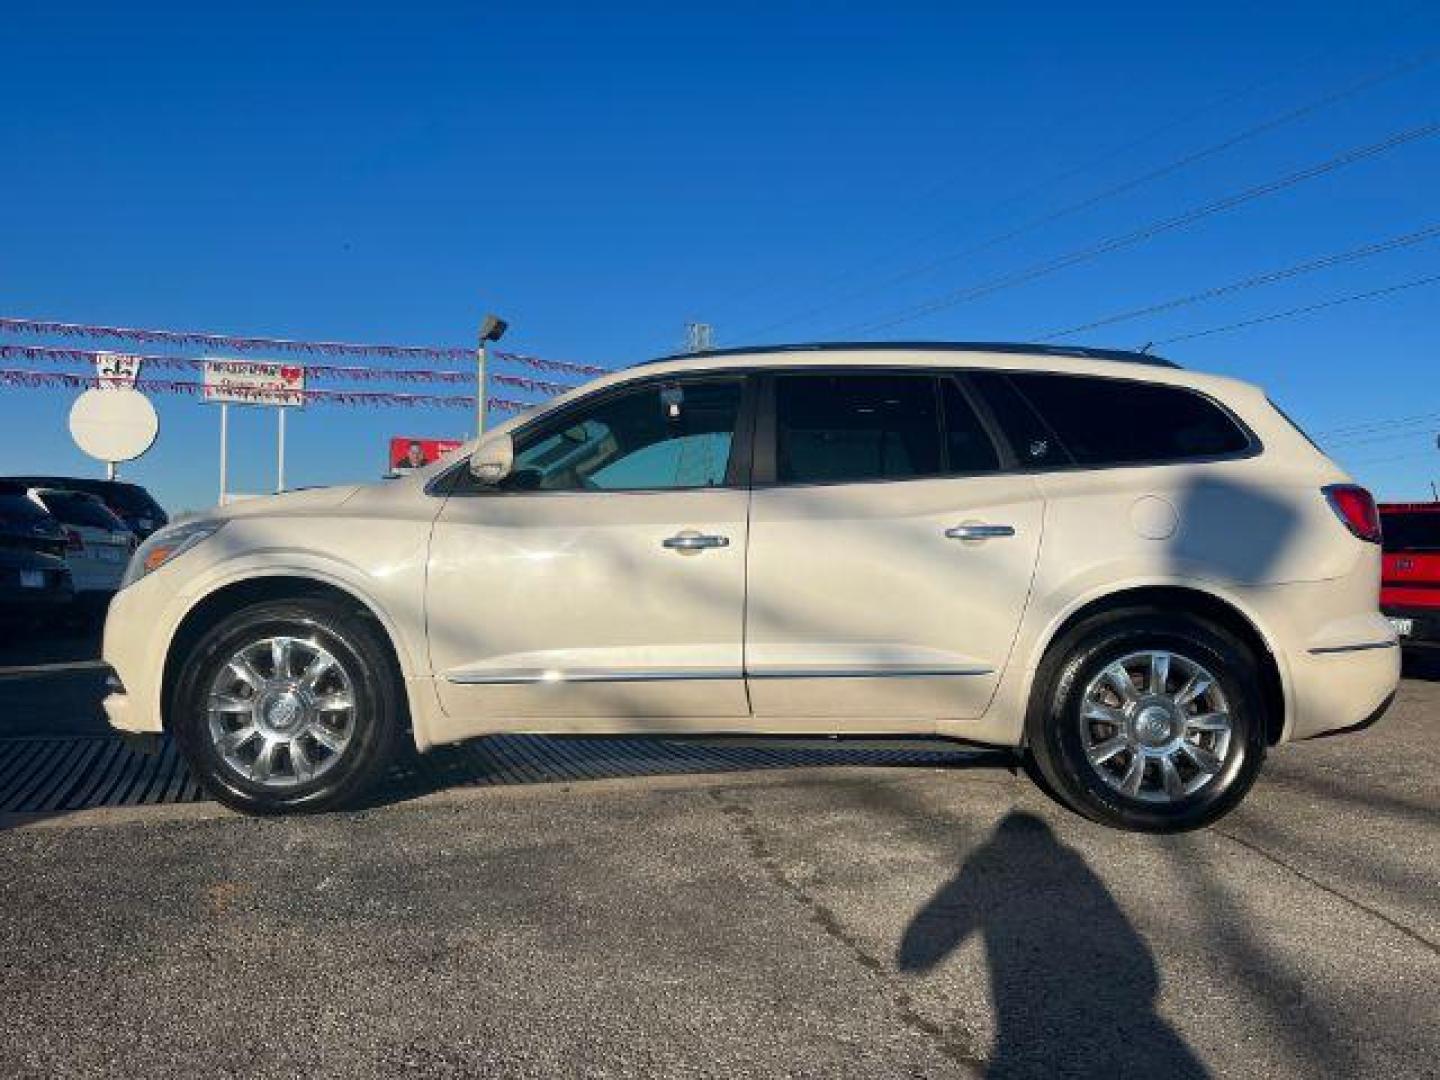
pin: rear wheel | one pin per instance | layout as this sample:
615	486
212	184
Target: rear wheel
1149	721
288	706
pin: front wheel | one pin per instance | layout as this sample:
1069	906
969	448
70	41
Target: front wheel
1149	721
287	706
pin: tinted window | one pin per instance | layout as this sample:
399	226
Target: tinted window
1112	421
1030	440
18	510
77	508
832	428
673	436
1411	532
968	448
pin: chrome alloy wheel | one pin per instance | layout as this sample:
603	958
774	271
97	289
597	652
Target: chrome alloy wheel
1155	726
282	711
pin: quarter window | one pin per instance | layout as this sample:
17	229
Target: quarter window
656	437
1116	422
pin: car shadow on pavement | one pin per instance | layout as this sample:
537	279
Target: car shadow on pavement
1073	983
510	760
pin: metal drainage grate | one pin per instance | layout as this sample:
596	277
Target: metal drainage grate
45	775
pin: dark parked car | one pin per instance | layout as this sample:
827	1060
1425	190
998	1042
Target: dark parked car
34	579
131	503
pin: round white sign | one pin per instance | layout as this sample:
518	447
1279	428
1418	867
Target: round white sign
113	425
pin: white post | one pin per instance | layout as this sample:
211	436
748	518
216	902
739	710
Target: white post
109	470
224	445
280	451
480	394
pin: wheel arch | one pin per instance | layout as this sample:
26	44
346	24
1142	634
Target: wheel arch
243	592
1197	601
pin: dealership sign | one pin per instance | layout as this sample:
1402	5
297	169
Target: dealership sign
252	382
408	452
116	371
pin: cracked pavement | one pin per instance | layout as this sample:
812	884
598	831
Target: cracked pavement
807	923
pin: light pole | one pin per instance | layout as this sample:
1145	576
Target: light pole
491	329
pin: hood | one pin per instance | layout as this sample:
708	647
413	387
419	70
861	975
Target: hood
286	504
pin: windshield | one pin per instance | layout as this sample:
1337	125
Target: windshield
1412	532
77	508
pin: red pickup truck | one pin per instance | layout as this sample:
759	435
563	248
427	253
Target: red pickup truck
1410	579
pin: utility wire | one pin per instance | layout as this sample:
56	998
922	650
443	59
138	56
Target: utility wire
1378	425
1275	316
1146	232
1333	98
1322	263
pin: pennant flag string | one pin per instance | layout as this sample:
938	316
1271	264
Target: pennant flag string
20	378
45	327
55	354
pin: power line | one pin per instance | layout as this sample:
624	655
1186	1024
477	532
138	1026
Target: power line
1322	263
1146	232
1306	310
1375	425
1333	98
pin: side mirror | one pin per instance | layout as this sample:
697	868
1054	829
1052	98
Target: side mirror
493	459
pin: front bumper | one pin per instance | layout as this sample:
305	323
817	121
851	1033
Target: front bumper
138	626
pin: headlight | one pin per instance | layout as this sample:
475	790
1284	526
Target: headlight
165	545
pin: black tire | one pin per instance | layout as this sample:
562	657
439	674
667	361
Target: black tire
1054	730
356	643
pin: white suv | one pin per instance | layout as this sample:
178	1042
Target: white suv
1141	576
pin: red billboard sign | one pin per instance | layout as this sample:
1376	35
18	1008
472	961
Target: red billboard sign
408	452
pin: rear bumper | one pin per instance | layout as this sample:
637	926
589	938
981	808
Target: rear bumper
1424	623
1337	689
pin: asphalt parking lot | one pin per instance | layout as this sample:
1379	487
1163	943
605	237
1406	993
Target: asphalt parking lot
854	914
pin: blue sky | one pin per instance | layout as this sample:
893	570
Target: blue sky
603	173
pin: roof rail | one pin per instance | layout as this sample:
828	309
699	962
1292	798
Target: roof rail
1015	348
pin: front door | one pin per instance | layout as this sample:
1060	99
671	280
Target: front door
890	555
602	586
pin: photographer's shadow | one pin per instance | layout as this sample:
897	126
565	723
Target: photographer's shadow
1072	982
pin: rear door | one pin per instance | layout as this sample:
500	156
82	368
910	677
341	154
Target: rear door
890	552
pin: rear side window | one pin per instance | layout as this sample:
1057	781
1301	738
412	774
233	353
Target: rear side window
1412	532
1033	443
836	428
968	448
77	508
1118	422
18	510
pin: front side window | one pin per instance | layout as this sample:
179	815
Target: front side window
839	428
655	437
1116	422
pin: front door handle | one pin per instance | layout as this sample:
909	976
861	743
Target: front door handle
694	541
975	531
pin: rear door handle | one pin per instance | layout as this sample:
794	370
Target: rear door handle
693	541
979	532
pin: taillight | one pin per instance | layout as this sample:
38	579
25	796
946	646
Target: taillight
1355	507
73	541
